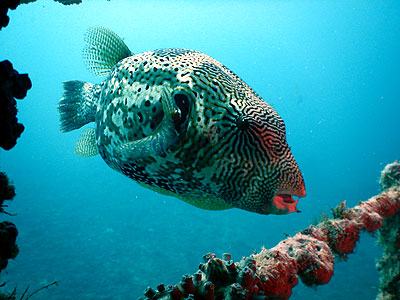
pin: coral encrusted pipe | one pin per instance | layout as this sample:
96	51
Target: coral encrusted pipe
309	254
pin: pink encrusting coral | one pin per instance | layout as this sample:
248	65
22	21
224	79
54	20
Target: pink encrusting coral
272	273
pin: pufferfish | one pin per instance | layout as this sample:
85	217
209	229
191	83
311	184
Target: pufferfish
182	124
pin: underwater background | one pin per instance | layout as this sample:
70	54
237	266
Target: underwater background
331	69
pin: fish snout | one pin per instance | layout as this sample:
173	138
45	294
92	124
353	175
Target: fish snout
290	183
301	190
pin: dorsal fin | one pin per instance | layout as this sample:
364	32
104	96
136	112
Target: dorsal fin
86	145
103	50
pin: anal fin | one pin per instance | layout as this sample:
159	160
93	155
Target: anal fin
86	146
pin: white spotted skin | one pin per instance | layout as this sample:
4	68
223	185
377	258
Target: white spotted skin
231	153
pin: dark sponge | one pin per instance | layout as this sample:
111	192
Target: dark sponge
12	84
4	6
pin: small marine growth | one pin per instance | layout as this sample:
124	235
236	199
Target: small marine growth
25	295
8	231
309	255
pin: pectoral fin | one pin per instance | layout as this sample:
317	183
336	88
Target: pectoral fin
156	144
163	137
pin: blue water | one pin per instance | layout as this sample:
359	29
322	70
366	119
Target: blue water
330	69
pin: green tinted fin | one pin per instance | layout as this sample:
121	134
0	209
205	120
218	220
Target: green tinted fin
158	143
86	145
103	50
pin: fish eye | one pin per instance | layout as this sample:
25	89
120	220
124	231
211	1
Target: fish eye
182	101
183	104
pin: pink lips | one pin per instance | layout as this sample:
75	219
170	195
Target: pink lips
285	203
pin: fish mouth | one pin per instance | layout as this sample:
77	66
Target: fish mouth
284	203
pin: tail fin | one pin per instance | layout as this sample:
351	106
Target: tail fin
78	105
